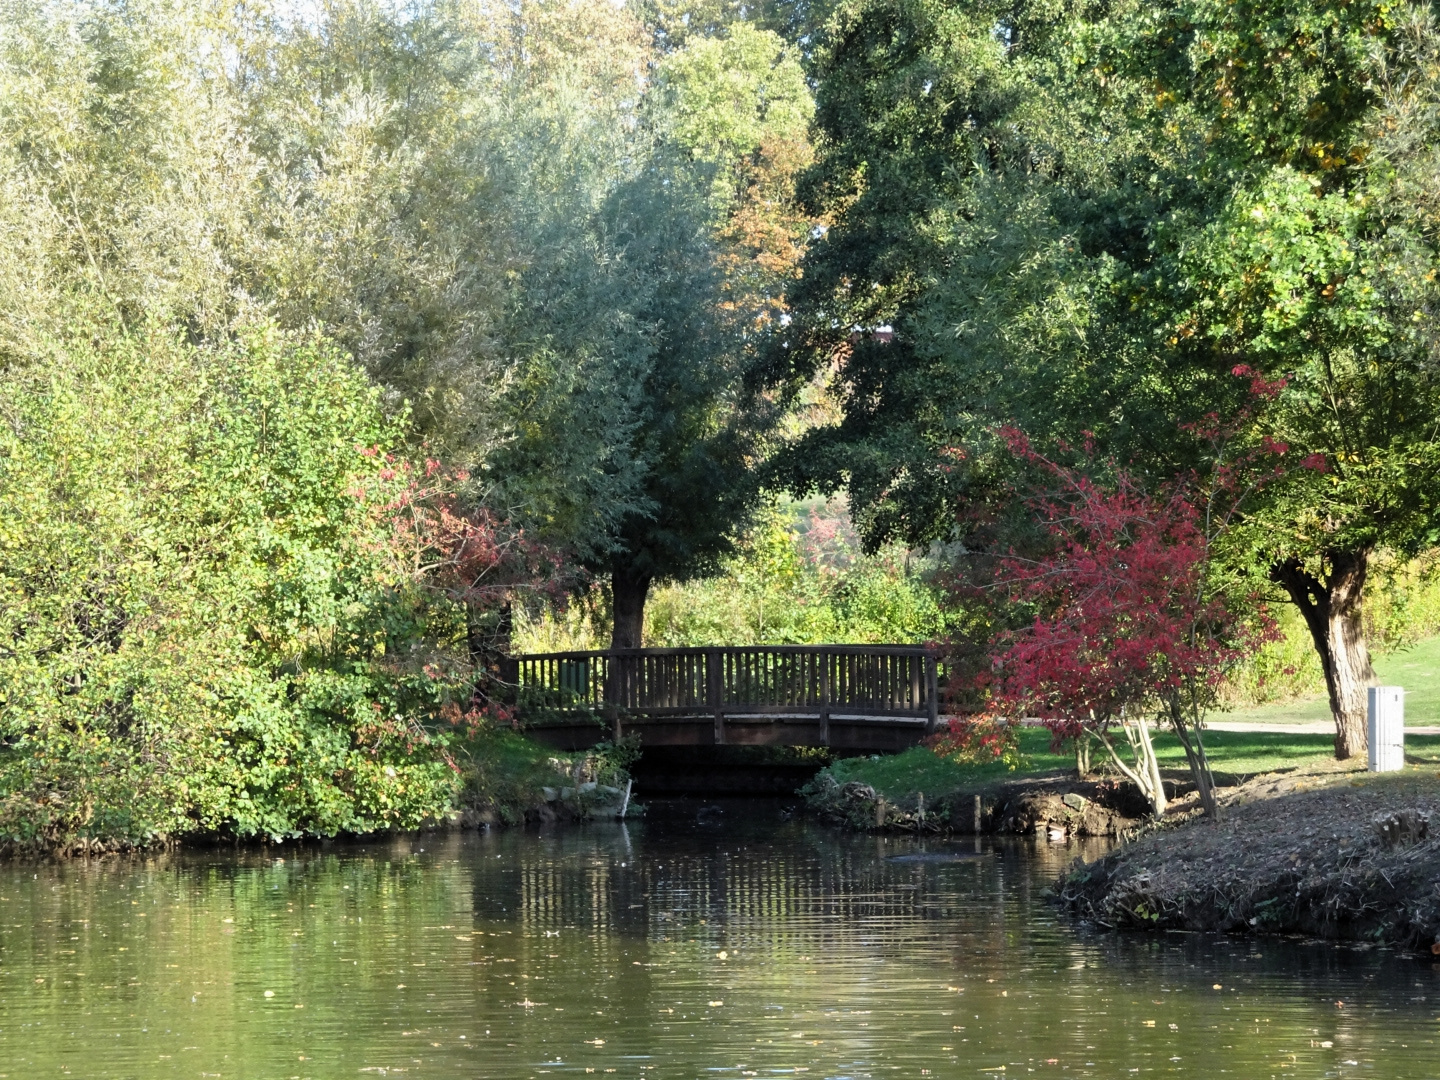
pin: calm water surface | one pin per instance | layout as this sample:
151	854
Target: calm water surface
723	944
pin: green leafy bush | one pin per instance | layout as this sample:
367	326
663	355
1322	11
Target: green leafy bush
207	618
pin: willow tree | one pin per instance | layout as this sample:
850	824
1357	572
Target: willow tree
675	280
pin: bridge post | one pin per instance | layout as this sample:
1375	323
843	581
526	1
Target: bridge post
824	697
714	692
610	693
932	690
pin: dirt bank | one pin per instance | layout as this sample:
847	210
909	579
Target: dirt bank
1329	854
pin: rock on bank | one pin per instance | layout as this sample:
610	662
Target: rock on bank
1358	859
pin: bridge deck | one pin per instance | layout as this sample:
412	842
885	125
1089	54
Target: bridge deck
857	697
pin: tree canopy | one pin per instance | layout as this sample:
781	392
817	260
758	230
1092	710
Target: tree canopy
313	324
1119	221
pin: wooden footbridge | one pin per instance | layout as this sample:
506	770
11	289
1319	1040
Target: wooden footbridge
851	697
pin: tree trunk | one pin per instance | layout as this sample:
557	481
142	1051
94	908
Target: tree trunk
1146	773
628	591
487	635
1332	613
1195	755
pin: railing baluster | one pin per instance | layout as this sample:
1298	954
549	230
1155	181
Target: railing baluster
824	689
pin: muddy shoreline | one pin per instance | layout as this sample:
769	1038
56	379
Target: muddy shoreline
1057	805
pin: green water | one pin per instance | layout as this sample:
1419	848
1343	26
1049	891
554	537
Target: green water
730	945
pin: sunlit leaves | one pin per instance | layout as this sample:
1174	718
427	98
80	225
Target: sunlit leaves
209	624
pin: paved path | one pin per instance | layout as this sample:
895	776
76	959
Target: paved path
1303	727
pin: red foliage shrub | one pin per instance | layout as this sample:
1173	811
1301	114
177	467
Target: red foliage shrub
1125	616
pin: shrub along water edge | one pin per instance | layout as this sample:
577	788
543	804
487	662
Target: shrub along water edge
207	620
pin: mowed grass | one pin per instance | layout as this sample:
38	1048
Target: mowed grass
1234	755
917	769
1417	669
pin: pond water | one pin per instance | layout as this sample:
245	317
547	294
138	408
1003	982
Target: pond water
700	943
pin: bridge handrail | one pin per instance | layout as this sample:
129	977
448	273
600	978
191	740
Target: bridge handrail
898	681
886	650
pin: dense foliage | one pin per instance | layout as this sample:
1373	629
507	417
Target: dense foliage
210	620
325	334
329	334
1079	219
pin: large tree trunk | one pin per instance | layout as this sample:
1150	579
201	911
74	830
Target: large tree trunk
1332	612
628	591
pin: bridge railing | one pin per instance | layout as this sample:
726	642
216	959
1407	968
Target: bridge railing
875	681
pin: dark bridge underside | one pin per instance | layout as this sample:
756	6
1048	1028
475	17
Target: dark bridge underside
857	698
845	733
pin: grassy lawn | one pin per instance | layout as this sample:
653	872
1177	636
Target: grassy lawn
1232	753
1417	669
917	769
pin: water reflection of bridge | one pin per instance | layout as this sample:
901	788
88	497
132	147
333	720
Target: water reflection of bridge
851	697
731	887
800	895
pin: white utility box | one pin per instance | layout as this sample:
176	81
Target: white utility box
1386	716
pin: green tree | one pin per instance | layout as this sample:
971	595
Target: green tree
428	185
686	291
1081	221
390	175
1300	267
673	23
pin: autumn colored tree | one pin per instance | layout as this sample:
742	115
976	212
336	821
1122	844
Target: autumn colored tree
1130	623
475	562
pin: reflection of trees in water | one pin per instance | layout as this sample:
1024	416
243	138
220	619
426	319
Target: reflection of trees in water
801	889
801	893
117	938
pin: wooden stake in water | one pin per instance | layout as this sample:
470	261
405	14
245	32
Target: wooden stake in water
977	815
625	800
